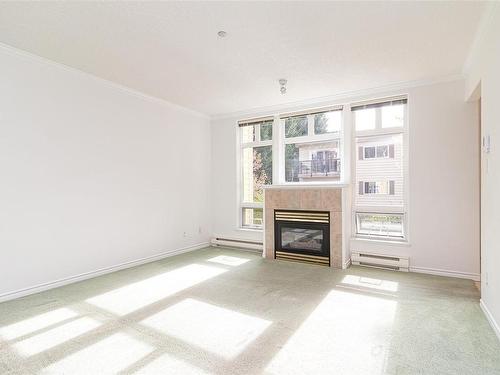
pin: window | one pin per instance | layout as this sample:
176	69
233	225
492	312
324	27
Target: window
252	217
256	168
380	173
295	126
376	187
312	146
380	225
377	152
327	122
307	147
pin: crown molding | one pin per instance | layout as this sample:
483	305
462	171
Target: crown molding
484	23
138	94
335	99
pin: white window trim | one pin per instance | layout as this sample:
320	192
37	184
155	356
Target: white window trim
239	152
338	136
348	155
379	131
380	237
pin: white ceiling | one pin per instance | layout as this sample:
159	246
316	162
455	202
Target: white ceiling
171	50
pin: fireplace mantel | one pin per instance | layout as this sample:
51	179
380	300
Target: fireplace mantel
312	198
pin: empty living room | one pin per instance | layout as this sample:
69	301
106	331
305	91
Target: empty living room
250	187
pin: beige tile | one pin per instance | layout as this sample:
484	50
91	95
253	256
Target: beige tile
290	199
272	197
331	199
335	223
310	199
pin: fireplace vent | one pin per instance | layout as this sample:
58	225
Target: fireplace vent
302	216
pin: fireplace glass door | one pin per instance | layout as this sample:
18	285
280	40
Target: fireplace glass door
308	238
301	239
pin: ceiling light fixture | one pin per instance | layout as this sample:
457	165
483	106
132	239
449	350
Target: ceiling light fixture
222	34
282	83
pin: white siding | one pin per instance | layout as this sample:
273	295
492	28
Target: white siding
381	169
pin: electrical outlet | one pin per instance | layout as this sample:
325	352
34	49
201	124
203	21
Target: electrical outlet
486	278
487	144
185	234
200	230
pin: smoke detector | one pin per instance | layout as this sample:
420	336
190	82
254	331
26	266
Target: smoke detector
282	83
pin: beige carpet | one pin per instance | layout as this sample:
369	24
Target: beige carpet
231	312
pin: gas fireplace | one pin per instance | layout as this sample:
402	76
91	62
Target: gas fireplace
302	236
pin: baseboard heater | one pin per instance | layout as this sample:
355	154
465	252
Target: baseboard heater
390	262
239	243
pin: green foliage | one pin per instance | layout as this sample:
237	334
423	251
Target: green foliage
262	171
266	131
291	162
320	123
296	126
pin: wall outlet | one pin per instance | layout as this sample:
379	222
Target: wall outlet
200	230
486	144
185	234
486	281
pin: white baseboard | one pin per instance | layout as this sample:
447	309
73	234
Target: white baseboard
490	318
102	271
448	273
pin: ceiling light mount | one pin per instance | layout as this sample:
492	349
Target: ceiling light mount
222	34
283	83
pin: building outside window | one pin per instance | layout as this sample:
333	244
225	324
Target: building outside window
380	169
312	146
256	161
306	147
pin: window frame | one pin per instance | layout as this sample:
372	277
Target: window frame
376	236
311	137
380	131
346	138
242	204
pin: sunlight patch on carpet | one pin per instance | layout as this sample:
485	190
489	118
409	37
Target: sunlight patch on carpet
347	333
108	356
167	364
215	329
228	260
55	336
368	282
35	323
137	295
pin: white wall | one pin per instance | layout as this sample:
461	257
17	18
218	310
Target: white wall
92	175
444	206
484	80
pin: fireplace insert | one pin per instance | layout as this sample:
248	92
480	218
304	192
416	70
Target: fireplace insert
302	236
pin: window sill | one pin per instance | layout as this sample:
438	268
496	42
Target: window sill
401	243
306	186
258	230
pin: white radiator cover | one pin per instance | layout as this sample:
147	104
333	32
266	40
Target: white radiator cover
392	262
235	242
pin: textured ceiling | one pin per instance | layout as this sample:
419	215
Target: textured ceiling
171	50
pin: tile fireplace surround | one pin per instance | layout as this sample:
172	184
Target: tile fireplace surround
312	199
